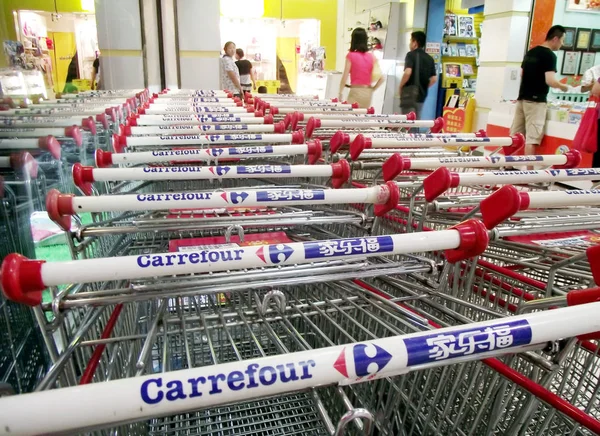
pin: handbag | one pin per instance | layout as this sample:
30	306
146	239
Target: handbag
586	138
409	96
376	71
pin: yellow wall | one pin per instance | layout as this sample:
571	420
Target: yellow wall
8	6
323	10
7	21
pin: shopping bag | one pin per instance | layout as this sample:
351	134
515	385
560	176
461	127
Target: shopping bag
376	71
587	134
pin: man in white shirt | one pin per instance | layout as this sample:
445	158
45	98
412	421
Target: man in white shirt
590	77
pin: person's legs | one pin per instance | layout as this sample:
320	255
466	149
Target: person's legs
419	110
535	121
518	124
408	108
362	96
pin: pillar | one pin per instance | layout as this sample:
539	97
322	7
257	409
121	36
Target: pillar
199	43
119	26
503	45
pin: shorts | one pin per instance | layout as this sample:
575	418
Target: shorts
362	96
530	120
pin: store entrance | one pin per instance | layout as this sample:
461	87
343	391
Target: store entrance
63	47
286	56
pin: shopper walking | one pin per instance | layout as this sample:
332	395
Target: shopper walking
419	75
230	75
538	75
363	69
247	73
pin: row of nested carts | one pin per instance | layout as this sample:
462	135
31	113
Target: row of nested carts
288	265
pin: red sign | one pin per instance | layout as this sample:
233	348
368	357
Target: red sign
454	120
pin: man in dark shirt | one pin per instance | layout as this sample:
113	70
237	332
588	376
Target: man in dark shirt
247	79
419	76
538	75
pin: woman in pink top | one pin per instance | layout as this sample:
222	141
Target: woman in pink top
359	66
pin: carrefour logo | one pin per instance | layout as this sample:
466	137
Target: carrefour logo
275	253
216	152
234	197
367	360
220	171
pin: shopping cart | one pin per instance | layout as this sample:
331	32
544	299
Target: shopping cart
156	109
23	360
84	177
70	139
320	127
186	119
157	142
311	150
302	118
191	129
171	276
203	339
48	154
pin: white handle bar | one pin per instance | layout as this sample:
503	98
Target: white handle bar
197	110
273	110
191	105
87	122
292	98
341	138
97	106
184	99
467	239
397	163
442	179
353	115
283	96
304	104
203	128
30	132
290	138
48	112
361	143
60	207
360	123
507	201
172	119
42	122
312	149
84	177
193	93
178	392
47	143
